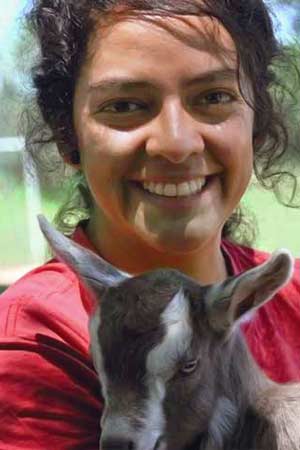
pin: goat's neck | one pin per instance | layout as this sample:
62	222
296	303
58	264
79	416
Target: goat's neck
239	384
243	380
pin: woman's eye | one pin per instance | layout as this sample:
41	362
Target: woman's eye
216	98
123	107
189	367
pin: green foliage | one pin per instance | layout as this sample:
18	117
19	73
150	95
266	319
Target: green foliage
287	94
277	225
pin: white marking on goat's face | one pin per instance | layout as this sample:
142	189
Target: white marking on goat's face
162	359
154	421
161	363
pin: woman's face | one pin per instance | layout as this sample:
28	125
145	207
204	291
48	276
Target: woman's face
164	134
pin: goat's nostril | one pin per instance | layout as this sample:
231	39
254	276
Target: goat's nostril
117	444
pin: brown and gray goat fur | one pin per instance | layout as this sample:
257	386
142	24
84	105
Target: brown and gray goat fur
174	367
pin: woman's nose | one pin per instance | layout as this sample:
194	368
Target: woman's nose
174	134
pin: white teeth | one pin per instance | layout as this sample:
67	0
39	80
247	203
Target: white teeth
176	190
183	189
170	190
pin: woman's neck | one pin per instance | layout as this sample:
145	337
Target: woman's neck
133	255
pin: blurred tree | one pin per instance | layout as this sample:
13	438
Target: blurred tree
10	107
24	55
289	76
16	85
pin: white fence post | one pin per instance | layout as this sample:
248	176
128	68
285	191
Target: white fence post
33	204
33	208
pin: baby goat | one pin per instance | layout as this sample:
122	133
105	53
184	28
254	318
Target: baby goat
174	367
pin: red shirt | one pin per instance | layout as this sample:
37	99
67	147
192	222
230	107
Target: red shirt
49	392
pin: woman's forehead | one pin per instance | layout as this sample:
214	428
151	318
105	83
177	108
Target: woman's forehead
183	46
200	33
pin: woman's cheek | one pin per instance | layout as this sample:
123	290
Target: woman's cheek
235	142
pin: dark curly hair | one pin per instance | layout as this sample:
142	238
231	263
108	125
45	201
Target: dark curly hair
63	28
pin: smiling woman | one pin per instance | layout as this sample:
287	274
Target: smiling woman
164	110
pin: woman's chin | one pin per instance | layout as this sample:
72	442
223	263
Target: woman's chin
179	243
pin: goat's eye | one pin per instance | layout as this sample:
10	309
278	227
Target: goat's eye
189	367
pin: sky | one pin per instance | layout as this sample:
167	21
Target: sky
11	10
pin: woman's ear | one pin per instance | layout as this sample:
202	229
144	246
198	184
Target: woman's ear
74	158
258	137
70	157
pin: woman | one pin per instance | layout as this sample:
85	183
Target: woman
165	110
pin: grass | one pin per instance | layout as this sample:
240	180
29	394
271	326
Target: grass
278	226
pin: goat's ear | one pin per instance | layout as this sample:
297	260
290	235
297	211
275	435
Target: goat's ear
95	272
228	301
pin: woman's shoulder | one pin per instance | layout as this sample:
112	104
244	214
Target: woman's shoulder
47	300
242	257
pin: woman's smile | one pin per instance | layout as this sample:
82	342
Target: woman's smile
181	196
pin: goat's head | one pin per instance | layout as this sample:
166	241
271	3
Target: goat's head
155	342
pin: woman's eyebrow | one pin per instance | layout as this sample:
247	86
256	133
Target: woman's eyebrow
120	83
129	83
227	74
